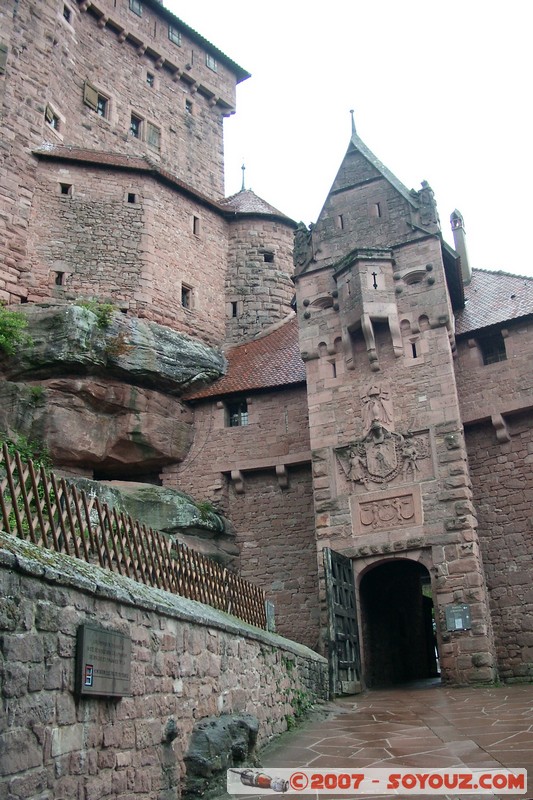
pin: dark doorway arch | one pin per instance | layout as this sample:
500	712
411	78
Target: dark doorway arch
399	643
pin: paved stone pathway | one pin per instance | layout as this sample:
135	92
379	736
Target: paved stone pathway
422	725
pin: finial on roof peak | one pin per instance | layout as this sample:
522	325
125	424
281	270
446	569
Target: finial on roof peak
243	170
352	112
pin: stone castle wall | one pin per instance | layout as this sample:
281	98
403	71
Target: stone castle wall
49	60
503	495
126	252
258	475
188	662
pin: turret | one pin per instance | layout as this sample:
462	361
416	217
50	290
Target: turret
459	240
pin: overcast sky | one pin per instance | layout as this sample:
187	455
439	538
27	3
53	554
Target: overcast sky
441	92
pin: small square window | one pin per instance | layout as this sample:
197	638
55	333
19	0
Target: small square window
153	136
211	62
131	197
237	414
196	226
137	7
268	258
67	13
66	189
150	79
186	296
136	126
188	106
174	35
59	279
51	118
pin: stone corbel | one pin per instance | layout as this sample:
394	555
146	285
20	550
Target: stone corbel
102	22
176	75
85	5
370	341
141	50
159	63
397	344
213	101
237	480
123	35
282	476
501	429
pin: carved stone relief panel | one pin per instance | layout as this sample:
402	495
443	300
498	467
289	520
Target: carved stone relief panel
383	511
383	456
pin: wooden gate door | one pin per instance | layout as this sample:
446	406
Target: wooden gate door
343	634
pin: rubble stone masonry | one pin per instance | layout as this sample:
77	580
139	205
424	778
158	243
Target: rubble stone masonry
188	662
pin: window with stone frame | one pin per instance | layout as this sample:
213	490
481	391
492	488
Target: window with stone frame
137	7
237	413
492	348
96	100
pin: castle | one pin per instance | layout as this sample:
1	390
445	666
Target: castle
371	439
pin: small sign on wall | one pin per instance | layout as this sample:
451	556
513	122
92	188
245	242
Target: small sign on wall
103	662
458	618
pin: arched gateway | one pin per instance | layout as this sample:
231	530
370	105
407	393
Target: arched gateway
397	623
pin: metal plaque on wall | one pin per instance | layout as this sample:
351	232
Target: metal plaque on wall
458	618
103	662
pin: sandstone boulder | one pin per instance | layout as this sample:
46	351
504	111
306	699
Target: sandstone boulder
196	524
70	339
103	428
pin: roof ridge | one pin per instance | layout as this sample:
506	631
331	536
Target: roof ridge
501	272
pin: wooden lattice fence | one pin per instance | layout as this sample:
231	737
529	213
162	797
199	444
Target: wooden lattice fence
38	506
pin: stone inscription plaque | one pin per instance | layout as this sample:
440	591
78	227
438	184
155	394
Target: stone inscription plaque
103	662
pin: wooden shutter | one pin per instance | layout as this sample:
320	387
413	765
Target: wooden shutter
90	95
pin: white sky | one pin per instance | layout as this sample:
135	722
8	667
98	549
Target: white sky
441	91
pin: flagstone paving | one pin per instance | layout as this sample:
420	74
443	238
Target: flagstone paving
424	725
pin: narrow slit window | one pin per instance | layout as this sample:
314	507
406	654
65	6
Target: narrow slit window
340	222
186	296
234	309
414	351
188	107
67	13
196	226
150	79
59	279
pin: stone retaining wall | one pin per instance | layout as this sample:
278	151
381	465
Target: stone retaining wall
189	662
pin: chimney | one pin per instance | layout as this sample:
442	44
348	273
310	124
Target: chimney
459	240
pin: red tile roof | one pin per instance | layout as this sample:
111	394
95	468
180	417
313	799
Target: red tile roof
493	298
270	361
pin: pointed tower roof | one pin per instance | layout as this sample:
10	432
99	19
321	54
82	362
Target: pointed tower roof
356	143
247	202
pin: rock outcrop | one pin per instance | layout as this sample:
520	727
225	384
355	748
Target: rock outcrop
101	390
